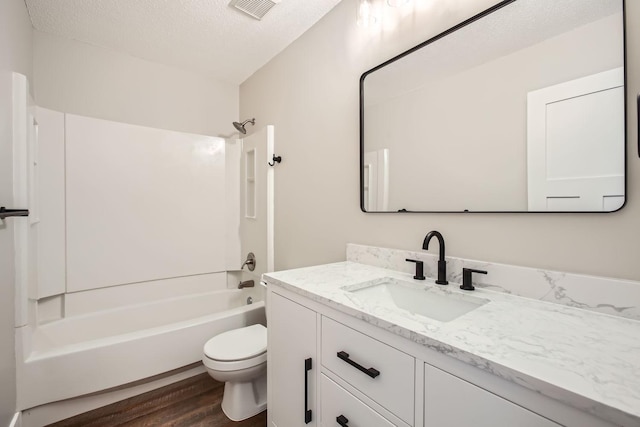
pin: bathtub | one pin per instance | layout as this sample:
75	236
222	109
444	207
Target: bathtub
85	354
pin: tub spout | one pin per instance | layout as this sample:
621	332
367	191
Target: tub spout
246	284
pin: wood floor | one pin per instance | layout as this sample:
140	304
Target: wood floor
194	402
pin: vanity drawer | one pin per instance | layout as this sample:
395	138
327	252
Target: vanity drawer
338	402
383	373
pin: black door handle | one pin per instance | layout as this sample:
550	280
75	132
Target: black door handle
342	421
372	372
307	411
7	213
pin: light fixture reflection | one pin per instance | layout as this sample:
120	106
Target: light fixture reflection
365	13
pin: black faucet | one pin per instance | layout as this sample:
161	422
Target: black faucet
442	264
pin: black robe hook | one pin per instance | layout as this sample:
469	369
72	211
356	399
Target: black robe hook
276	159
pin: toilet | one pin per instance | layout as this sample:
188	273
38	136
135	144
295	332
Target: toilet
239	359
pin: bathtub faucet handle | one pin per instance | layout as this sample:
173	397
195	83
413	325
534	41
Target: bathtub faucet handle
250	262
246	284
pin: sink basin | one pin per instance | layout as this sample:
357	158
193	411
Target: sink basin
427	301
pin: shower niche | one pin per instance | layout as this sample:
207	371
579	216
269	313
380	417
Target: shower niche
250	184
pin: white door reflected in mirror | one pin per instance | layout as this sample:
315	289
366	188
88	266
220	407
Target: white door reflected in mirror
576	144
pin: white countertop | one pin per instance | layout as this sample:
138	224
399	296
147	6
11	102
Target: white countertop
588	360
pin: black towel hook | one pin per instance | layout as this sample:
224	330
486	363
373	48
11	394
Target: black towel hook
276	159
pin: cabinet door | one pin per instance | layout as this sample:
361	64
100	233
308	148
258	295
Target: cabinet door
453	402
292	365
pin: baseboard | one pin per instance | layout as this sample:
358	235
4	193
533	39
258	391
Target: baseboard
16	421
57	411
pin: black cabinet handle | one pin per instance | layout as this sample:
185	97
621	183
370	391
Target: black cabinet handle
307	411
372	372
342	421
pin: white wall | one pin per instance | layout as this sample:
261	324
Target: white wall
15	55
79	78
310	93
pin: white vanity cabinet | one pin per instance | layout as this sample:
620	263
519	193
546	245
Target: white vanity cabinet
364	376
292	363
378	373
452	402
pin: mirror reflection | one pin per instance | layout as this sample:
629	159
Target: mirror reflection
520	110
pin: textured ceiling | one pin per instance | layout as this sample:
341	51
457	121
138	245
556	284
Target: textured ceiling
203	35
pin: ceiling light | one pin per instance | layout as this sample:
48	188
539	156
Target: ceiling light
365	13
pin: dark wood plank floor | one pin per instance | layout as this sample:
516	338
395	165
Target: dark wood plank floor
194	402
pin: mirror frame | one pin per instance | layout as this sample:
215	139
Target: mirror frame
463	24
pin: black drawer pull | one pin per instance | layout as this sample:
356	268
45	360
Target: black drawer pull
372	372
307	411
342	421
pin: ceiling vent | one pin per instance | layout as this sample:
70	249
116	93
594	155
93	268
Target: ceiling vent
254	8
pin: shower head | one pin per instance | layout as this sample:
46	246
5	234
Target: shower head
240	126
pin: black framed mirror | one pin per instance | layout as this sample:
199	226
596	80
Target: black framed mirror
518	109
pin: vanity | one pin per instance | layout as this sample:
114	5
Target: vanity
351	344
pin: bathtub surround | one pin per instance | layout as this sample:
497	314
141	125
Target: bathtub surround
15	55
81	174
170	220
320	93
600	294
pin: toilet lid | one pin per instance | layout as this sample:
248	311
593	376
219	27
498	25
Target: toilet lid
238	344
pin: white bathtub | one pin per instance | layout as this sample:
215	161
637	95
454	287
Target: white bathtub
89	353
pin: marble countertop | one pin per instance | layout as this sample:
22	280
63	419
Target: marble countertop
590	361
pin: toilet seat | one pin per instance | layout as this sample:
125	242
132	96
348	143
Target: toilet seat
236	349
223	366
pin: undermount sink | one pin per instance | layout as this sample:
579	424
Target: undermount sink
415	298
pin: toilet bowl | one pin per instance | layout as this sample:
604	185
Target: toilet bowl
239	359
